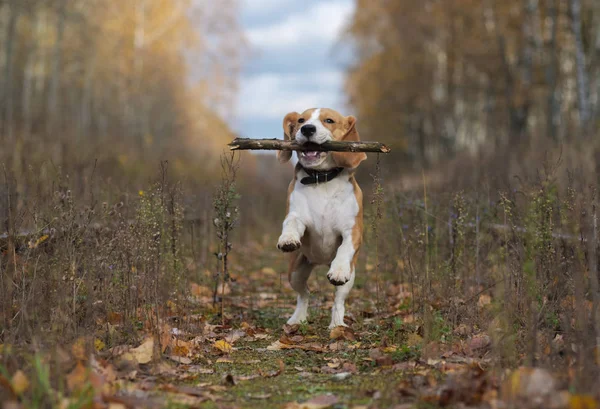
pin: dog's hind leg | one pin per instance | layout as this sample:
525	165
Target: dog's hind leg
300	269
339	308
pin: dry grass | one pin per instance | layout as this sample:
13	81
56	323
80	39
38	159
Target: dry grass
517	266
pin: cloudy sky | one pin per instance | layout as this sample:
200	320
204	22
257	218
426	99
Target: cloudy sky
296	61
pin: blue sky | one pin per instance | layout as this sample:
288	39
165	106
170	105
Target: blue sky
296	61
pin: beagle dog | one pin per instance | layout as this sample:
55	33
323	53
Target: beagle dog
324	221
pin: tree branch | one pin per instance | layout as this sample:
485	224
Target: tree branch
333	146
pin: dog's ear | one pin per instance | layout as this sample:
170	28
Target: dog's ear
289	129
347	159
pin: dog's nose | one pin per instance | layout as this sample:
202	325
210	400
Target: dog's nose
308	130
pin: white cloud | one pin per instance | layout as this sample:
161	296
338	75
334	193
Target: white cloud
292	69
264	6
321	22
272	95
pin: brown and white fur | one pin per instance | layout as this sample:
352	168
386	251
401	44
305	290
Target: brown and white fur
324	221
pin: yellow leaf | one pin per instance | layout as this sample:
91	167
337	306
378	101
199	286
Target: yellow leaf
142	354
223	346
33	245
78	349
19	382
99	345
270	271
583	402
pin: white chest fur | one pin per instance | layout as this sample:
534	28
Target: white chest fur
328	211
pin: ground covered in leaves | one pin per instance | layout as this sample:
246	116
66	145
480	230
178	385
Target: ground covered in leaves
188	354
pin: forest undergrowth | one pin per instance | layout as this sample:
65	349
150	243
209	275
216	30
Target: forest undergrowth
464	298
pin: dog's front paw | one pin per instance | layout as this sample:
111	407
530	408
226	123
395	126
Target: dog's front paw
288	242
338	275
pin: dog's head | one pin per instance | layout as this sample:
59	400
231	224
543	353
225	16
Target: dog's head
319	125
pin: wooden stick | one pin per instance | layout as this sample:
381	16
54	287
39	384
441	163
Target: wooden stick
280	145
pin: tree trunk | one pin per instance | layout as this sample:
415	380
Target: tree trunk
14	11
595	63
552	65
53	96
582	77
29	80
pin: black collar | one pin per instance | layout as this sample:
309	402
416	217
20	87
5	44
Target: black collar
320	176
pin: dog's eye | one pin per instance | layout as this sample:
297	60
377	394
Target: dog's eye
330	121
301	120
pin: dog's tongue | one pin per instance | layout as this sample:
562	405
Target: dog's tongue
311	154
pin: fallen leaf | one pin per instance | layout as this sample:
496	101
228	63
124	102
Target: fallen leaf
380	358
275	373
319	402
342	376
248	377
180	359
200	290
234	336
531	385
223	346
269	271
291	329
278	346
99	345
78	349
117	405
77	378
342	333
224	361
200	370
114	317
19	382
583	402
467	386
250	362
181	348
142	354
484	300
190	390
260	396
480	342
284	339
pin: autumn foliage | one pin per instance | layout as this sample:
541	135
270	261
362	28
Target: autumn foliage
500	79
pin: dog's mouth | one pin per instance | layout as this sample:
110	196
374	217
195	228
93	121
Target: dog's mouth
311	156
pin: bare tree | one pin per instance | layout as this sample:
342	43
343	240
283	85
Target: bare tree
14	11
582	76
53	96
